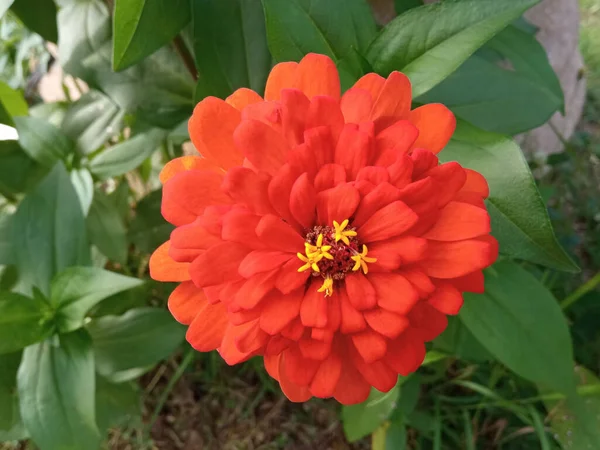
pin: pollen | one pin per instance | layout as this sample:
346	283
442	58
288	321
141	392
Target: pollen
361	259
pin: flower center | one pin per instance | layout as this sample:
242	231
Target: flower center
333	252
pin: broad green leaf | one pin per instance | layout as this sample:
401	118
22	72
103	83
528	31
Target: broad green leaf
6	249
362	419
126	156
577	426
493	98
117	405
11	427
78	289
390	436
141	27
457	340
4	5
229	60
139	338
519	322
39	16
92	120
56	383
76	42
404	5
298	27
12	103
519	217
18	171
49	231
529	58
430	42
42	141
148	229
23	321
53	112
106	229
83	183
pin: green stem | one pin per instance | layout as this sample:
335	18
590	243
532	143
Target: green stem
187	359
581	291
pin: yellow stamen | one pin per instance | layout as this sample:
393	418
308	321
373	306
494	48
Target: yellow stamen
319	249
341	234
327	287
361	259
310	262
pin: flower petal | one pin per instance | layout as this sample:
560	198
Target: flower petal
313	311
243	97
446	299
352	320
436	124
219	264
385	322
258	261
247	187
327	376
393	141
289	278
294	392
356	105
318	75
211	129
370	345
239	226
294	109
186	301
389	221
360	291
262	145
325	111
207	330
303	201
352	387
338	203
394	292
353	150
254	290
279	310
329	176
381	196
427	321
459	221
282	76
164	268
278	235
455	259
229	350
184	163
393	102
406	353
372	83
392	253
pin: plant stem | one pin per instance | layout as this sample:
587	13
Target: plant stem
187	359
185	56
581	291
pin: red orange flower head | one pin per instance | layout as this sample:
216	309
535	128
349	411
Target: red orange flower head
320	231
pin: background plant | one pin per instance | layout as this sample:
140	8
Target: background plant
82	327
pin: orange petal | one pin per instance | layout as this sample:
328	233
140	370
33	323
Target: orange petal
242	98
239	226
352	320
292	391
294	109
298	369
392	253
381	196
370	345
472	282
476	183
288	278
325	112
228	349
254	290
455	259
372	83
279	310
356	105
211	129
406	353
394	292
313	311
327	376
389	221
360	291
250	338
387	323
272	365
318	75
259	261
353	150
282	76
185	302
262	145
164	268
207	330
278	235
427	321
303	201
436	124
459	221
187	194
446	299
352	387
421	282
249	188
393	102
184	163
393	141
338	204
219	264
329	176
377	373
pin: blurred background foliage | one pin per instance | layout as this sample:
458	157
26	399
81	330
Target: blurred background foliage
119	359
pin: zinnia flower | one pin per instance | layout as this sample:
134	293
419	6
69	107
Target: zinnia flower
320	231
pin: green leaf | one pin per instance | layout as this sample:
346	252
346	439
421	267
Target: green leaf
362	419
106	229
390	436
431	42
42	141
148	229
6	249
23	321
49	231
11	427
298	27
18	171
12	103
56	384
404	5
233	59
39	16
457	340
577	424
516	103
529	59
92	120
83	183
78	289
126	156
139	338
117	405
521	324
141	27
519	217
